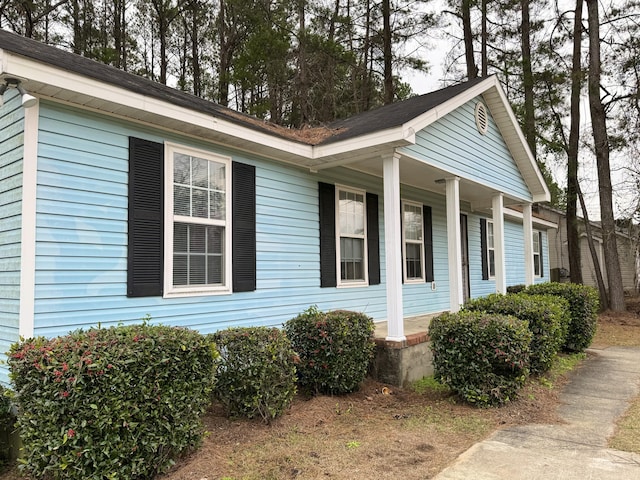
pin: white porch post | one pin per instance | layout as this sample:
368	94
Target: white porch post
498	243
453	243
527	228
393	248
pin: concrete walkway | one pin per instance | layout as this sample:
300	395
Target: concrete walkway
597	394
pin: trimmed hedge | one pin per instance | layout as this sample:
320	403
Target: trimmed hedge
122	402
584	305
257	374
483	357
7	424
335	349
545	315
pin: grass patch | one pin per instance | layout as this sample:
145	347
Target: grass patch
627	434
428	385
563	364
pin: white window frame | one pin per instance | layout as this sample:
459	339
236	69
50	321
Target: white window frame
365	261
491	248
171	290
537	256
407	279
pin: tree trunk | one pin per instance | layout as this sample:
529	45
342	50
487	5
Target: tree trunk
601	144
604	300
386	35
302	84
225	57
573	240
472	69
529	119
195	49
484	41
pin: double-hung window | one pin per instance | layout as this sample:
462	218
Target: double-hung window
491	252
537	254
413	242
197	222
351	239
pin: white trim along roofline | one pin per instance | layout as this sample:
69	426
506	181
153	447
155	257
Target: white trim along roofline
55	83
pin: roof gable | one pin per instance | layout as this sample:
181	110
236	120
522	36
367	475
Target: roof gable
88	83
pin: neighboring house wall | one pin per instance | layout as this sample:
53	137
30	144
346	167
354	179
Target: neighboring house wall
559	255
11	161
586	261
628	254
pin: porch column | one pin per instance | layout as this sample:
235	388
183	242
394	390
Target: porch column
527	228
453	243
498	243
393	248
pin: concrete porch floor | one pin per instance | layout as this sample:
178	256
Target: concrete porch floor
412	325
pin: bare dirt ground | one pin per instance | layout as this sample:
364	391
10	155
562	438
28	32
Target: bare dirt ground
370	434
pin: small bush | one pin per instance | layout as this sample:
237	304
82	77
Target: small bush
516	288
481	356
335	349
256	375
7	425
110	403
545	315
584	304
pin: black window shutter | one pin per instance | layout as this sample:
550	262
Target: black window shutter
145	254
428	243
327	211
483	248
541	254
243	226
373	239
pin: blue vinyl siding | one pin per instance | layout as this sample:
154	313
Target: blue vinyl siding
11	162
514	253
82	236
81	250
454	144
514	257
419	298
546	277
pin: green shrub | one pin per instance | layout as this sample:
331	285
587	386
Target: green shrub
516	288
481	356
122	402
7	425
546	316
335	349
257	373
584	304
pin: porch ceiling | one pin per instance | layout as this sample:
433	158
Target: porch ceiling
423	176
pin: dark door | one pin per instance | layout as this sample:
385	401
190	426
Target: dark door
464	249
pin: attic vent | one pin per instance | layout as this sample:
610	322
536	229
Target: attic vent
482	118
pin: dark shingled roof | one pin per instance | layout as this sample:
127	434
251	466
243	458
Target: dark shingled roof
381	118
395	114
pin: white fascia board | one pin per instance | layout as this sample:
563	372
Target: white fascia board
422	121
535	220
397	137
38	72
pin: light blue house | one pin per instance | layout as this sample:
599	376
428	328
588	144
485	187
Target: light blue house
121	198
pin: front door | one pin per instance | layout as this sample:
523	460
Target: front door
464	249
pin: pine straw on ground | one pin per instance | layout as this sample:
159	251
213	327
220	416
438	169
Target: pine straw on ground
368	434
